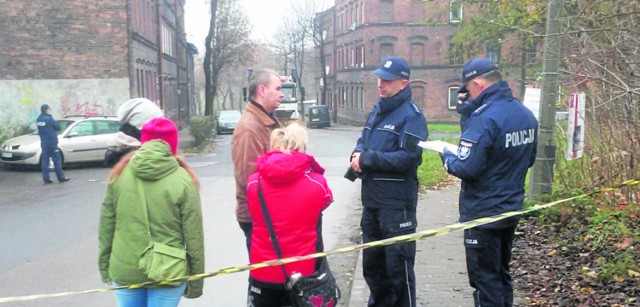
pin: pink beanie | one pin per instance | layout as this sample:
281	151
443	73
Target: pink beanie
161	128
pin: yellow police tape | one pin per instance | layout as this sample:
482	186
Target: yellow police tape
399	239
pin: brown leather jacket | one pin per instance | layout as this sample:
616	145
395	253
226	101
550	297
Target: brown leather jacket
250	141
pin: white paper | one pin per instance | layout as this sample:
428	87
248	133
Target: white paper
532	100
438	146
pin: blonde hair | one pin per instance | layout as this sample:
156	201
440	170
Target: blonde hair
291	137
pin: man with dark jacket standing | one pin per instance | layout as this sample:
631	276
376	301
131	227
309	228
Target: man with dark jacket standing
496	148
251	137
386	158
48	130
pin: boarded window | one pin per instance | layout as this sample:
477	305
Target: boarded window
417	54
386	10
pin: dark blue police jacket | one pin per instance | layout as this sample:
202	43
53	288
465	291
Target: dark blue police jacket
47	129
496	149
390	154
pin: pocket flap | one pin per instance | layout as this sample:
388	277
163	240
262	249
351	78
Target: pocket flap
169	250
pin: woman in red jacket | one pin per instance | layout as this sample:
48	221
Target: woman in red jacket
295	192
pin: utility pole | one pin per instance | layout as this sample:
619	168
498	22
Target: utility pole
541	178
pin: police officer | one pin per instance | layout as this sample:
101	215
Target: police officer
386	157
496	149
48	130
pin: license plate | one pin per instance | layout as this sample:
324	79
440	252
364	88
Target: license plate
315	120
7	155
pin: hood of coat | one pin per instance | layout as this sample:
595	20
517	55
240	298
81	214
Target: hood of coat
279	168
153	161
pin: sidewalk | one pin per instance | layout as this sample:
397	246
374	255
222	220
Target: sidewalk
441	274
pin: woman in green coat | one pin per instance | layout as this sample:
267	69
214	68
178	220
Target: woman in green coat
171	189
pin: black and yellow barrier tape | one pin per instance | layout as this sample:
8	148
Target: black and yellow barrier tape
394	240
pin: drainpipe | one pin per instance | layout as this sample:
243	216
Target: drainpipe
160	74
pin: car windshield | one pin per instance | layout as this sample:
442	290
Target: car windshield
230	115
64	123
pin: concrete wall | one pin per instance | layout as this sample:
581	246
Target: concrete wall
20	100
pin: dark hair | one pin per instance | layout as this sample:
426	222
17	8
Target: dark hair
260	77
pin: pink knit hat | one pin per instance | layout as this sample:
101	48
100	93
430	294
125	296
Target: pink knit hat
161	128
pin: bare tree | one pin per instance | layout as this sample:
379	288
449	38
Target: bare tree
296	35
227	43
209	41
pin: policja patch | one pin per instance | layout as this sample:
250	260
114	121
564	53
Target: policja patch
464	150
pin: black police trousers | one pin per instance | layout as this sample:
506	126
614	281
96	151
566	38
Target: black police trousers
488	252
388	270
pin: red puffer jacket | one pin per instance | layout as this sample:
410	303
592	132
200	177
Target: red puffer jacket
296	193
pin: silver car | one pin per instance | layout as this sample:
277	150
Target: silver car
80	139
227	121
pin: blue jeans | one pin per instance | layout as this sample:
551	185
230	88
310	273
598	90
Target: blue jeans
149	297
54	153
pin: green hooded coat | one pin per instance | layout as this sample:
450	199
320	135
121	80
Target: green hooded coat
175	216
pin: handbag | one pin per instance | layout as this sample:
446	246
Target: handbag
315	290
160	261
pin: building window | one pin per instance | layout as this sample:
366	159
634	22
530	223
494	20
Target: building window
417	54
530	53
386	50
453	97
455	14
386	9
167	40
493	52
455	54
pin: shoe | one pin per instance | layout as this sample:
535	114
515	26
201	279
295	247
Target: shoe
48	182
64	179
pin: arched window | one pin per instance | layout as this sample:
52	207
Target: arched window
418	95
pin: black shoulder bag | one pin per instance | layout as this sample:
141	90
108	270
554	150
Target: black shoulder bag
318	289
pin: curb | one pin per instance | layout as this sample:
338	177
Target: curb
359	290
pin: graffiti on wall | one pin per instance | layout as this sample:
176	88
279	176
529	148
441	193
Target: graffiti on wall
89	109
20	100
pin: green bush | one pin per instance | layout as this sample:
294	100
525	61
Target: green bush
201	128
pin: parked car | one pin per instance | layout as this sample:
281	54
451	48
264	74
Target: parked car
318	116
80	139
227	121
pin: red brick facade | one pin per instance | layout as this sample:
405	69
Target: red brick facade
63	39
360	33
100	40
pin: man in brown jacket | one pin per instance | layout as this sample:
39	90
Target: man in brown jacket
251	137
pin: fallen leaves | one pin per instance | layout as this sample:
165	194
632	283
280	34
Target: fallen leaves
555	265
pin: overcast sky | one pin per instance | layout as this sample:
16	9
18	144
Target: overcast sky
264	15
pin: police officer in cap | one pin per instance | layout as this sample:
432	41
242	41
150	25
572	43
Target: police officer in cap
386	158
496	148
48	131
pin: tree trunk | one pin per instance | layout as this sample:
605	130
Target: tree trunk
210	91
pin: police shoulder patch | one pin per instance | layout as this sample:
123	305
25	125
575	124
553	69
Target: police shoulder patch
464	150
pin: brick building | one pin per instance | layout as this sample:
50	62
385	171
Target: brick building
87	57
358	34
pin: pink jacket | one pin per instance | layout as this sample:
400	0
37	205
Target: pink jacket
296	192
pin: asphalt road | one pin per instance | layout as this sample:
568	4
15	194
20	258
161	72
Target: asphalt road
49	232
